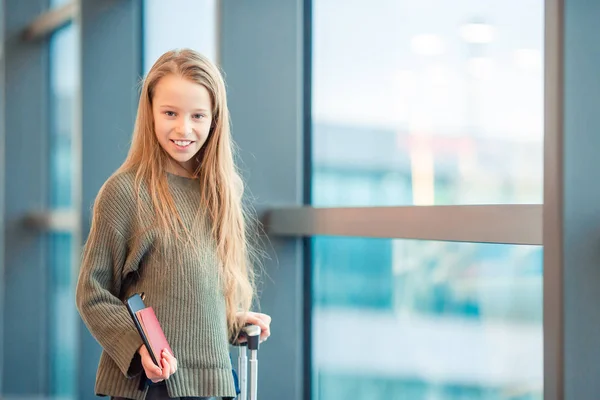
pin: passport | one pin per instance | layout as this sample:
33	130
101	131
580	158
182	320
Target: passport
155	337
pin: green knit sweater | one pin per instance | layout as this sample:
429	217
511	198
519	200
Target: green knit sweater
184	291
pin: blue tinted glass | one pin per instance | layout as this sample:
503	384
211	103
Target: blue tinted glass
63	318
401	319
196	30
415	107
62	324
57	3
64	82
427	102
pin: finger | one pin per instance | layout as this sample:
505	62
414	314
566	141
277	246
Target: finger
166	368
171	360
150	367
155	375
265	331
265	334
257	321
263	317
266	318
173	366
170	357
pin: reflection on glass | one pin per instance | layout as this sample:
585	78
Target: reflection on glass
63	321
192	24
63	85
57	3
62	340
399	319
412	106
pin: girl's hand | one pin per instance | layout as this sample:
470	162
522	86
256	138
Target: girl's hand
153	372
259	319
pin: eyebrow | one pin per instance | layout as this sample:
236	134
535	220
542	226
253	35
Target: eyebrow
176	108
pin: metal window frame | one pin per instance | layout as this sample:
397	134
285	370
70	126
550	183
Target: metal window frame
507	224
50	21
67	220
307	248
553	307
2	185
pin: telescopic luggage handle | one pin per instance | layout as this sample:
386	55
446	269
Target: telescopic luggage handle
252	334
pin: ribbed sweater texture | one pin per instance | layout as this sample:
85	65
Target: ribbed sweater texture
120	258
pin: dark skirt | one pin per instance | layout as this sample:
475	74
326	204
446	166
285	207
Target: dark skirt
159	392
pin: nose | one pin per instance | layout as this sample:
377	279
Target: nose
185	127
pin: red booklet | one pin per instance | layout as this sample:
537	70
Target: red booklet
153	332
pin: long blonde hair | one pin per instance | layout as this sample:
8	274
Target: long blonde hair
220	183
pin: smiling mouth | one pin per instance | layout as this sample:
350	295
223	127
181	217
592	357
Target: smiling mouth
182	143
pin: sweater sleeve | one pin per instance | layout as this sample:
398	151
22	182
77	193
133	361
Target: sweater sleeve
99	284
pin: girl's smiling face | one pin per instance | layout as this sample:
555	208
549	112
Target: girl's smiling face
182	118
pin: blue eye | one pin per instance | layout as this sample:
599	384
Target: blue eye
198	116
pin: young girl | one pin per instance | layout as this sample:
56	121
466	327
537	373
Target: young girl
170	223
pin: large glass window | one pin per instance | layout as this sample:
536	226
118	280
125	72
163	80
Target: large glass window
64	85
402	319
179	23
427	102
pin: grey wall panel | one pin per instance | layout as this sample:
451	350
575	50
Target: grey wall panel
262	57
24	359
2	178
581	199
111	70
571	206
